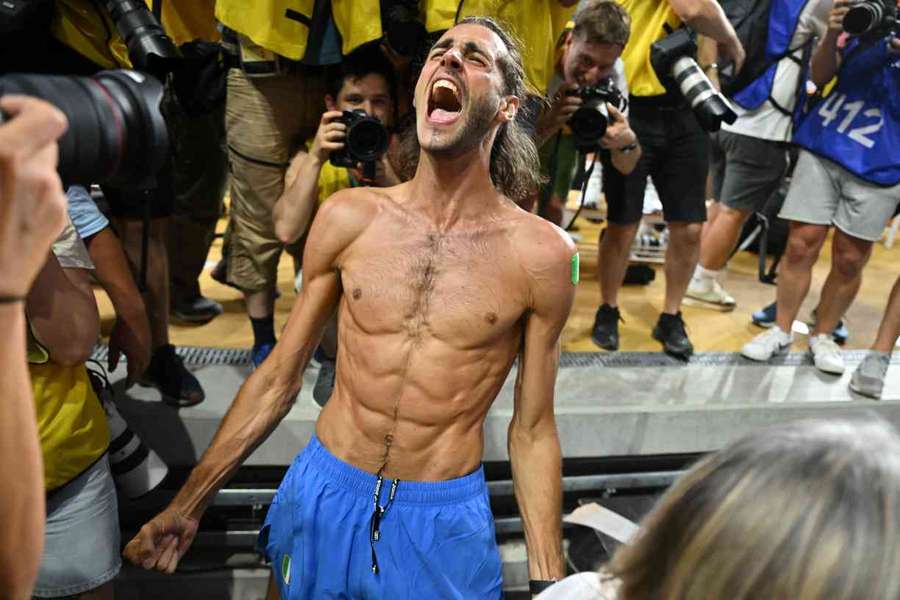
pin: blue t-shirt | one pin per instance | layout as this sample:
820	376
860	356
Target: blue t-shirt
86	217
858	125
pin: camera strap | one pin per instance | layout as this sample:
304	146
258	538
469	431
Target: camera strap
585	179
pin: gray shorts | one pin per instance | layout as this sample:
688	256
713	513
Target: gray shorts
81	539
745	170
823	193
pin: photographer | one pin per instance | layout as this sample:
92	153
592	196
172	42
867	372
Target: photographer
365	82
32	213
750	157
588	54
674	154
847	175
276	82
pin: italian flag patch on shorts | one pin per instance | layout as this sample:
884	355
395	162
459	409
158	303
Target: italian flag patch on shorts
286	569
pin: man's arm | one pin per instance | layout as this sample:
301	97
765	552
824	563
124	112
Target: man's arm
32	213
708	18
131	333
268	394
534	451
63	312
621	141
296	205
826	59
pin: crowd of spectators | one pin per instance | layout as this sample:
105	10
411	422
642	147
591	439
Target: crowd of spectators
275	110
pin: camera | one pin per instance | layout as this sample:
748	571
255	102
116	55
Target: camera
365	142
149	48
871	17
672	59
590	120
116	133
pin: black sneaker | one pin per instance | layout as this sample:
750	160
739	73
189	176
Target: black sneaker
606	327
670	332
168	374
324	382
198	310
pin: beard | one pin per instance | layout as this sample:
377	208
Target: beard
476	123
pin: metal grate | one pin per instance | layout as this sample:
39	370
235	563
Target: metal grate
202	356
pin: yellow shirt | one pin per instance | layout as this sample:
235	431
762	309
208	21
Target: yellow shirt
86	28
647	20
536	29
71	422
331	178
265	23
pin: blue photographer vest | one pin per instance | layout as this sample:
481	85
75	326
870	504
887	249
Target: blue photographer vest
784	17
858	125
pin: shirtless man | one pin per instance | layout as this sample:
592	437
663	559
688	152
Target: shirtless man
440	282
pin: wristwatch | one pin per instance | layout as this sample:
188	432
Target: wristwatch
536	586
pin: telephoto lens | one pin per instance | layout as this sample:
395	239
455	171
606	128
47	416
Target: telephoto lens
709	106
366	140
117	134
672	59
149	48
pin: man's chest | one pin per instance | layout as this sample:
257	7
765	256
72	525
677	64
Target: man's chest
463	289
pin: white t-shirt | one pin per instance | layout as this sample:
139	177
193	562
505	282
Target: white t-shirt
767	122
589	585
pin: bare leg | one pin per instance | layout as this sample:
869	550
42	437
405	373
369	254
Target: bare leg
260	304
720	237
803	247
681	259
889	330
848	257
156	297
104	592
273	593
612	260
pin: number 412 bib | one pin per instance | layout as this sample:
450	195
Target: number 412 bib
858	124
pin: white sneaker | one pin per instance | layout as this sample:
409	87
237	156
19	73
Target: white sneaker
767	344
709	291
826	354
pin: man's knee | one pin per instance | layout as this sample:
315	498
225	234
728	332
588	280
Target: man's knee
685	236
803	245
849	258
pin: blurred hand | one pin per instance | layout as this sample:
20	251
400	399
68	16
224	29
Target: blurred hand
619	133
734	51
162	541
330	135
32	202
836	16
131	336
561	110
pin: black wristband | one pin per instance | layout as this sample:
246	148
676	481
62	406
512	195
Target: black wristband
536	586
11	299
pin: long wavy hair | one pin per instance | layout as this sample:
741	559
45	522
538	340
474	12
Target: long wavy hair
515	166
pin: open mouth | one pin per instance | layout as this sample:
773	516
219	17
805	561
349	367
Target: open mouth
444	105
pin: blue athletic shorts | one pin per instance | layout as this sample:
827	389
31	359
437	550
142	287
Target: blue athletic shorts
435	539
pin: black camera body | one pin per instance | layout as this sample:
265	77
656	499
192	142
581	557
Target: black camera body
673	60
116	135
873	18
589	122
366	141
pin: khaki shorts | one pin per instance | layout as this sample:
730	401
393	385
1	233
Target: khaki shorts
823	193
267	120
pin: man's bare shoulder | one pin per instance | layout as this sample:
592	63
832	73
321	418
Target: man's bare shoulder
542	247
346	215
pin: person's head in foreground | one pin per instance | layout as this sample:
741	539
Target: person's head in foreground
803	511
466	100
